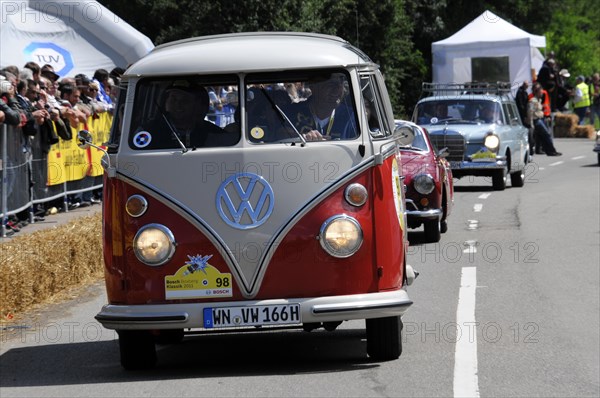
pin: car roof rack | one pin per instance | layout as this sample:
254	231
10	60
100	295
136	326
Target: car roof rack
497	88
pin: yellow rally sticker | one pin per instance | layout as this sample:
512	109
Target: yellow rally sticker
398	192
257	133
198	279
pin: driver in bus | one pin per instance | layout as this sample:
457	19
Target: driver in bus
325	115
183	114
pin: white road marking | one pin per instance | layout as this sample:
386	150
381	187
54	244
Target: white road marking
478	207
556	163
484	195
473	224
466	381
542	168
471	246
577	157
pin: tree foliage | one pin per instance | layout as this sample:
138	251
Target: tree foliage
396	34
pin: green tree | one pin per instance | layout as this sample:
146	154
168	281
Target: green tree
380	28
574	36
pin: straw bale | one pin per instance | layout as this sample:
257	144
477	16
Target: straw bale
586	131
565	124
35	267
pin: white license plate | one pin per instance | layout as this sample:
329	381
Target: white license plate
258	315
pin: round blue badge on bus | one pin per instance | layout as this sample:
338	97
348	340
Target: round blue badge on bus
142	139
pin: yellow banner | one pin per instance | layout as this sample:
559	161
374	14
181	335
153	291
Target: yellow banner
67	162
100	129
57	173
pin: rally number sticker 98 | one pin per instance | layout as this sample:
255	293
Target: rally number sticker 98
198	279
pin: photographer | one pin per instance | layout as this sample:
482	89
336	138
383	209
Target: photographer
8	108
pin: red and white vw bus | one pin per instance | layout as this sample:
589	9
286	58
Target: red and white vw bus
253	180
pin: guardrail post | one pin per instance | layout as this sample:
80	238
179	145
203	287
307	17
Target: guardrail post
4	199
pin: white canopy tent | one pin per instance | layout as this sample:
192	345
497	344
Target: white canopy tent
487	49
72	36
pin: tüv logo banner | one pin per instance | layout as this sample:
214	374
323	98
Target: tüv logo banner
49	53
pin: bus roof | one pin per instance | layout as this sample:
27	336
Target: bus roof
249	52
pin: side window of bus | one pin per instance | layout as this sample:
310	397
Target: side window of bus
371	105
117	123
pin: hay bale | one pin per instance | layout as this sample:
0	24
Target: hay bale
36	266
586	131
565	124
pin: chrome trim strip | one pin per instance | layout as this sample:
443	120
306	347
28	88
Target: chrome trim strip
142	318
191	217
311	203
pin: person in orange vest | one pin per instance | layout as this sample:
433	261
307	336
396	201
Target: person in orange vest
546	109
581	101
537	117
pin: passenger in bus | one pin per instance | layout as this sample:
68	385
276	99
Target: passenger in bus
265	122
326	114
183	113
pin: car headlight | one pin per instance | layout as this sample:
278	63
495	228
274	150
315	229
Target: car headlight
424	184
491	142
341	236
154	244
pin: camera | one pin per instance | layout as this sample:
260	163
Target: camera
5	86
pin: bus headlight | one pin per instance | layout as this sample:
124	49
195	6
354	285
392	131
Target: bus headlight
424	184
154	244
491	142
341	236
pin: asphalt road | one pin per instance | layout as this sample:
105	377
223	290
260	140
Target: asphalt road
506	304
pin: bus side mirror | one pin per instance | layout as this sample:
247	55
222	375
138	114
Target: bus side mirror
85	141
444	152
405	135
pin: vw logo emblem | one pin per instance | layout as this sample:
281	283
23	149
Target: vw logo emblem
245	200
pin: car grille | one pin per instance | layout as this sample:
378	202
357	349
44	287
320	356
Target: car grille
455	143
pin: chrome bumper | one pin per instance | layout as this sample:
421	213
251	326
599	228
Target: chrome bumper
498	163
413	212
320	309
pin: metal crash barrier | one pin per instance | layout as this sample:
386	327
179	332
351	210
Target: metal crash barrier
32	173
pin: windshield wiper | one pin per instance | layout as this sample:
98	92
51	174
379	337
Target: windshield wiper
283	116
162	113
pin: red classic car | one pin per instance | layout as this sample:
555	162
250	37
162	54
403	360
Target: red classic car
428	183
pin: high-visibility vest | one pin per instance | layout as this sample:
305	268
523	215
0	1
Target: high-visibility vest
545	102
585	97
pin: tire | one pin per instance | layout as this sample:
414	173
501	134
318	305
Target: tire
499	180
517	179
384	338
444	226
169	336
137	349
432	231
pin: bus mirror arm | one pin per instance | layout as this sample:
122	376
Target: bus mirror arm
85	141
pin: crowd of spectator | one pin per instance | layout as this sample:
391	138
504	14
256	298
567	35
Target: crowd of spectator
41	103
582	97
554	92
